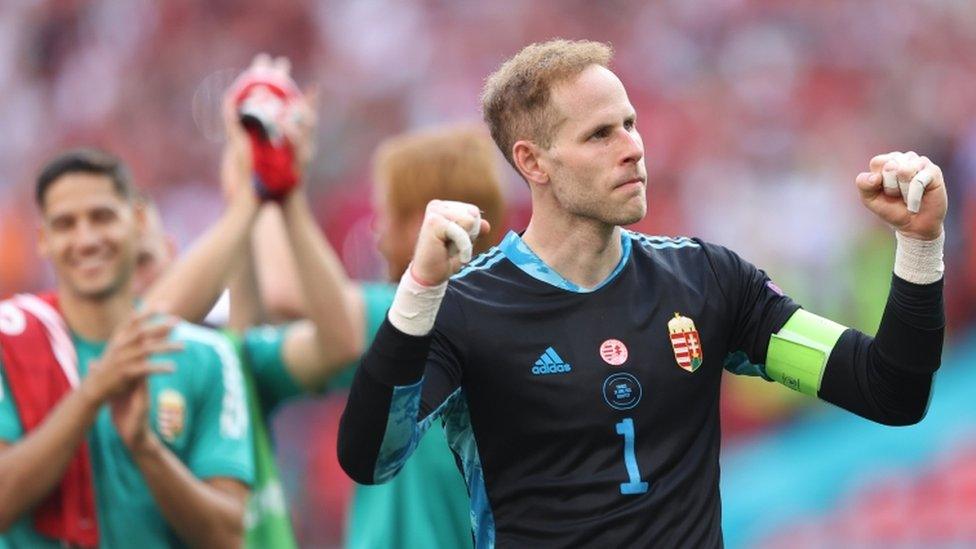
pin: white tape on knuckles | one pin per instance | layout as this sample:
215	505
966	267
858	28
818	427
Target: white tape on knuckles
911	191
916	188
890	183
460	241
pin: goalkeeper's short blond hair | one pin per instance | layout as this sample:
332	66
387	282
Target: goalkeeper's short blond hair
516	100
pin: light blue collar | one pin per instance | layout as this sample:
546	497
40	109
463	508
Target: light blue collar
519	253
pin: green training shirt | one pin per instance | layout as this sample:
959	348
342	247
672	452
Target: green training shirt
205	425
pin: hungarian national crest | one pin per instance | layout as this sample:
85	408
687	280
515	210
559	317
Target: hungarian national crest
685	342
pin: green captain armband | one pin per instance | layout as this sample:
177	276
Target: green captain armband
798	353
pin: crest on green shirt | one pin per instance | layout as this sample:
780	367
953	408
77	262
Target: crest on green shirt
171	416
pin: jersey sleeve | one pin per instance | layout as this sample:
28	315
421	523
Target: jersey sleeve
262	349
377	298
756	307
402	387
222	441
888	378
10	428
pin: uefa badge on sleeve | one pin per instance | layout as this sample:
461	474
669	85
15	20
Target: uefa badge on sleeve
170	414
685	342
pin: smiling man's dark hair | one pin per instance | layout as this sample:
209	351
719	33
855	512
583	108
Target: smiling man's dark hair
90	161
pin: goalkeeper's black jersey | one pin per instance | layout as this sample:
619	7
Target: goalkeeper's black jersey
579	418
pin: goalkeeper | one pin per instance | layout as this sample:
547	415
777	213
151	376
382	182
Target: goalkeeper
577	366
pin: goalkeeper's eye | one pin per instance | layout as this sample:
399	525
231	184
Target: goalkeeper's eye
601	133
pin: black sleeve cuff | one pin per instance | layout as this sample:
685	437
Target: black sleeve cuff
396	358
920	305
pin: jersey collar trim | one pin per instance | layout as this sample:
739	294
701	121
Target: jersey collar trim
519	253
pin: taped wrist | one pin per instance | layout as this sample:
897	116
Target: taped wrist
798	353
415	306
919	261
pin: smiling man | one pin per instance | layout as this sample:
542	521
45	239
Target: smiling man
577	365
117	428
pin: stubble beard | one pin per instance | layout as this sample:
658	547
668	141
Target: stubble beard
607	212
123	276
98	295
628	216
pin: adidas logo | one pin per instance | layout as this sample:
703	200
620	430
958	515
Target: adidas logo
550	363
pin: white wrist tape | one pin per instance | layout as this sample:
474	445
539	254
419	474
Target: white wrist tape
919	261
415	306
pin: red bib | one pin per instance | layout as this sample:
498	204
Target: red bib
41	366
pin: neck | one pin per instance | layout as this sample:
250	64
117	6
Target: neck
583	251
95	320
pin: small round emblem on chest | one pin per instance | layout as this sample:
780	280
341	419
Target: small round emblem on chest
613	352
622	391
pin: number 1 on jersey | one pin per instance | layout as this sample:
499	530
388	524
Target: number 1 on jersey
634	485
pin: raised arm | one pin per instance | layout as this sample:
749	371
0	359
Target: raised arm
414	363
191	286
246	306
886	378
332	335
277	274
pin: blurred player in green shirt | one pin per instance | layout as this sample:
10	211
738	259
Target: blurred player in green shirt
280	361
155	406
426	505
340	316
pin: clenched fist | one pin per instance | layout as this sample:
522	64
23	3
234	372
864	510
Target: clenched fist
445	240
906	191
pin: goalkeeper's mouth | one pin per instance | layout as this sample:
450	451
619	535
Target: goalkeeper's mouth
632	183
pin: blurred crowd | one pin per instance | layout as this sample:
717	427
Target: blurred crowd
756	116
934	508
